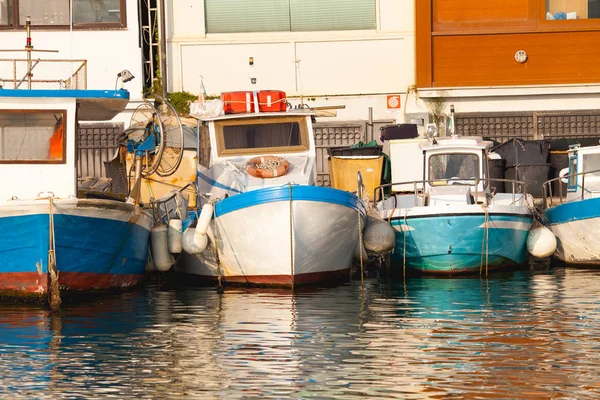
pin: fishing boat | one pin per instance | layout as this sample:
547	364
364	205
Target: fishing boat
51	241
262	219
574	216
452	221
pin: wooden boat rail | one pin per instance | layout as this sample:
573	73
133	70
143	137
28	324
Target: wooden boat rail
518	187
547	188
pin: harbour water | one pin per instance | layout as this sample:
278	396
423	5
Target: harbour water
530	333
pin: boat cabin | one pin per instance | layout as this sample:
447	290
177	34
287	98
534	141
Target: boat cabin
582	176
38	131
239	140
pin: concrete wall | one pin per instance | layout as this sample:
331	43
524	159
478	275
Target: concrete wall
352	68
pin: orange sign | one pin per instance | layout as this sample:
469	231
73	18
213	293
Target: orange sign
393	101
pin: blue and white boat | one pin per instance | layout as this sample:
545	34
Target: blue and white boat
452	221
271	224
574	217
51	240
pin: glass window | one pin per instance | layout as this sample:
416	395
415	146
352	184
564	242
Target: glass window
591	162
4	12
457	166
101	13
572	9
288	15
32	136
48	12
262	136
96	11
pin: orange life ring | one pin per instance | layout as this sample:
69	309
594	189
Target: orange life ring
267	166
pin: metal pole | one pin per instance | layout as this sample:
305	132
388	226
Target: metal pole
28	48
163	47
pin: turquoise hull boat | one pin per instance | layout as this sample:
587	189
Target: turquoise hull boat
459	244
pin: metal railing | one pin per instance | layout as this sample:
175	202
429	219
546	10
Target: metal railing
45	74
518	187
547	187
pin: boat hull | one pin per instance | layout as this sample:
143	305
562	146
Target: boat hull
436	243
99	244
576	225
283	236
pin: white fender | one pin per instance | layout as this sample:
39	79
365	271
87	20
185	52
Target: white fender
191	245
541	242
159	243
200	237
175	233
150	262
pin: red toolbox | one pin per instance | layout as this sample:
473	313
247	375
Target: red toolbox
272	100
237	102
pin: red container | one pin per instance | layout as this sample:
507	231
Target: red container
272	100
237	102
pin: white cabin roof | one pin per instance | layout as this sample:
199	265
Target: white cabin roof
457	143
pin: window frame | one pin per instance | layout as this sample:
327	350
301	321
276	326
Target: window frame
63	160
14	23
223	152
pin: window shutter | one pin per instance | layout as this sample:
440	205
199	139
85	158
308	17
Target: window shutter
332	15
230	16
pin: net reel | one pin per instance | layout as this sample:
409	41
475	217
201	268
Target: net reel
155	139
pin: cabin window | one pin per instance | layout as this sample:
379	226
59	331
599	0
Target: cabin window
236	16
557	10
56	13
591	162
32	137
264	136
453	166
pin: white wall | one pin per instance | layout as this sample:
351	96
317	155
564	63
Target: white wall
355	68
107	51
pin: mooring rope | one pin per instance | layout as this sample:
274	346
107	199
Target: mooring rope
484	243
219	272
404	230
54	290
291	238
360	248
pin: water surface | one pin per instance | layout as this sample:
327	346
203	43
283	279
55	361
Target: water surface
533	333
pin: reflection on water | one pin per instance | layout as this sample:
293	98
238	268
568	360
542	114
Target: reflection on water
527	334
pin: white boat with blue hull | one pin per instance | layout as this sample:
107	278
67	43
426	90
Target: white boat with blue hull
574	216
453	222
271	224
52	242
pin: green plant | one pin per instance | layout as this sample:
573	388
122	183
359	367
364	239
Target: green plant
181	101
436	106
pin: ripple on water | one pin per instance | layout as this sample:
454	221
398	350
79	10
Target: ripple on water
527	334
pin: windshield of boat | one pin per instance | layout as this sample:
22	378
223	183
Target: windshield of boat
454	166
262	135
32	136
591	162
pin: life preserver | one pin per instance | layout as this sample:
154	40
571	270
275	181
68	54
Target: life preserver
267	166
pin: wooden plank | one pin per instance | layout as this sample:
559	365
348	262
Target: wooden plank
423	28
553	58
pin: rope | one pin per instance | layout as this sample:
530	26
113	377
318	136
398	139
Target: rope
360	246
404	229
291	237
54	290
219	272
484	242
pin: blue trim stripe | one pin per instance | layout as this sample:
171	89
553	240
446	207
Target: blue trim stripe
573	211
67	93
214	183
282	193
